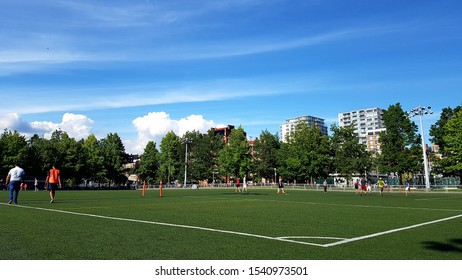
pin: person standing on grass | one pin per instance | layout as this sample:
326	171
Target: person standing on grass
408	188
238	185
36	185
363	186
281	186
53	181
325	186
14	180
381	185
244	186
356	186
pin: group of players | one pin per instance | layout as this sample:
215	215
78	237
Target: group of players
363	187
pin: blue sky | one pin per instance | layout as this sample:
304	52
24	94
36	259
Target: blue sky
142	68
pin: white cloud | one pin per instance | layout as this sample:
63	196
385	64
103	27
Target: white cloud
155	125
13	121
77	126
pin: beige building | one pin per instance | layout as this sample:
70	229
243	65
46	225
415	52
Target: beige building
368	124
291	124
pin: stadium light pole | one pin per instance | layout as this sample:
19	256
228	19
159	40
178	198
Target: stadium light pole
420	111
186	141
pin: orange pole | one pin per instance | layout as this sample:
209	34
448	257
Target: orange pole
144	188
160	189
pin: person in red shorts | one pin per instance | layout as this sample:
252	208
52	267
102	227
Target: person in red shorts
363	186
53	181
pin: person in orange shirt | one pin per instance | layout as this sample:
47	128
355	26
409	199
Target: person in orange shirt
53	181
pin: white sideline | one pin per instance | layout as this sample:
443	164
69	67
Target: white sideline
390	231
164	224
282	239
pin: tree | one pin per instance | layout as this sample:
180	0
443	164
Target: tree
201	158
438	130
93	170
114	155
169	157
400	144
13	149
235	157
306	155
349	155
266	148
149	164
72	162
453	145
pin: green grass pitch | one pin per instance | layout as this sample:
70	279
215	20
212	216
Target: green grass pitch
219	224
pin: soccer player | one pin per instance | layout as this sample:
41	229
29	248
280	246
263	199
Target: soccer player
53	181
238	185
381	185
245	184
363	186
281	186
408	188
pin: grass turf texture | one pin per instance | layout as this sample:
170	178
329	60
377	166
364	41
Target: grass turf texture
31	232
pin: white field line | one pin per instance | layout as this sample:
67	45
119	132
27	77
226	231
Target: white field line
358	205
164	224
390	231
283	239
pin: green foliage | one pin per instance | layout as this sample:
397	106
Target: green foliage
438	130
113	151
235	157
453	144
149	164
401	149
349	155
170	157
266	148
13	149
93	169
442	132
306	155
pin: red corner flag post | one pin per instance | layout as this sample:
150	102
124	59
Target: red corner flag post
160	189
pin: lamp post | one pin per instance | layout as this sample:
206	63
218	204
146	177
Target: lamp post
275	174
420	111
186	141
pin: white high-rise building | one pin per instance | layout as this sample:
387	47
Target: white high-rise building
291	125
368	124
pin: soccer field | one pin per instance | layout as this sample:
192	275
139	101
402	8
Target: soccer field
219	224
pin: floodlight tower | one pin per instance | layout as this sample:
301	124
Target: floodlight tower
420	111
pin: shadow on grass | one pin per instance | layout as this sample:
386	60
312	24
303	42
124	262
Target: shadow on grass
453	245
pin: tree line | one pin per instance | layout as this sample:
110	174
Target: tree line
305	156
89	160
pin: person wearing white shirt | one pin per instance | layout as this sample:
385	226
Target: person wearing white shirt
14	179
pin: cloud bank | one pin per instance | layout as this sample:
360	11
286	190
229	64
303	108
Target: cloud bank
151	127
77	126
155	125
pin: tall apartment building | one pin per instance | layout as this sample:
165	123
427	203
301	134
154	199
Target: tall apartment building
291	125
368	124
